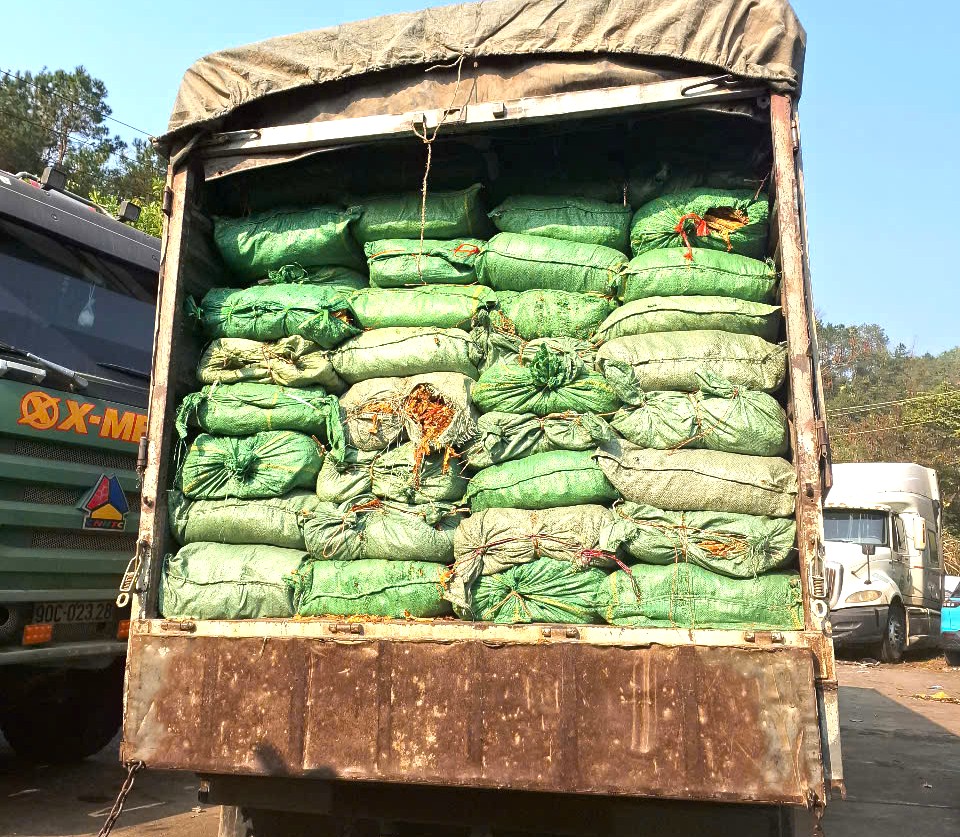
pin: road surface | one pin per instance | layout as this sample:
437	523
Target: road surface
901	755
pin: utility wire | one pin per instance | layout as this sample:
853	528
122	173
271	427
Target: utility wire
883	429
838	411
87	108
68	134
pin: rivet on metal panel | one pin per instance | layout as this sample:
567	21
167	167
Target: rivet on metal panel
749	636
808	488
572	633
547	632
776	636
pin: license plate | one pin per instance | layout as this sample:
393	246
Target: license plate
73	611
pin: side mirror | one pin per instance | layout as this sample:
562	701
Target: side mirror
919	533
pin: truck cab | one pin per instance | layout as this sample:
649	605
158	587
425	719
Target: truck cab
884	558
77	296
950	620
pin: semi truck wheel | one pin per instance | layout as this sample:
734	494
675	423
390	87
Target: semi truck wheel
895	635
64	715
953	658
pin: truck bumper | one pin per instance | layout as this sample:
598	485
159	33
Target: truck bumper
858	625
65	653
950	640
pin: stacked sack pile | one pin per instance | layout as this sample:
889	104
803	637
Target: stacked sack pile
529	428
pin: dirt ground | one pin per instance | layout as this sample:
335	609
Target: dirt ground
901	759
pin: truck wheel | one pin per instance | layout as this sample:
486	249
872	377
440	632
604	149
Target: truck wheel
65	715
953	658
895	635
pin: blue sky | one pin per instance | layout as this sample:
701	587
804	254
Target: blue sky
882	170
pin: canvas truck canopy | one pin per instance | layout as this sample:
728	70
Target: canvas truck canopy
510	50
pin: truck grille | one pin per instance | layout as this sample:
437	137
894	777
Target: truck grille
63	539
108	459
51	495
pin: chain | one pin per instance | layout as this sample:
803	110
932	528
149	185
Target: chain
133	768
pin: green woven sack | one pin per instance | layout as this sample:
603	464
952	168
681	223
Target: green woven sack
382	531
502	437
391	589
401	352
344	278
677	360
291	362
254	245
700	480
320	313
542	591
242	409
541	481
549	376
691	313
668	272
687	596
348	480
516	262
404	262
737	545
275	521
434	411
734	221
533	314
565	218
496	539
448	215
719	416
439	306
228	581
267	464
401	475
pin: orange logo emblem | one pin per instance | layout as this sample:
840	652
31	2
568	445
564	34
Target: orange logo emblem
39	410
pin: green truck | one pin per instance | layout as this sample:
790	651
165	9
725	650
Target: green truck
78	292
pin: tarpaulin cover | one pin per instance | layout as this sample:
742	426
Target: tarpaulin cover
439	306
518	262
403	262
275	521
505	436
559	46
253	245
544	313
682	480
266	464
566	218
369	587
228	581
290	361
691	313
544	590
688	596
738	545
542	481
320	313
494	540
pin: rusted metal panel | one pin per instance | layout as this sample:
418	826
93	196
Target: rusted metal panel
685	722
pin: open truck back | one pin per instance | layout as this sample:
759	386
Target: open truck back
474	725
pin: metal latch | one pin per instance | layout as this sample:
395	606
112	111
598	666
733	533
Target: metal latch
184	626
347	628
167	205
141	460
764	637
131	575
568	633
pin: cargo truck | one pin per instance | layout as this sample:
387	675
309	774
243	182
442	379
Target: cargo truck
380	726
77	296
884	557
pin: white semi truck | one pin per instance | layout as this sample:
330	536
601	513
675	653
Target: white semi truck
884	557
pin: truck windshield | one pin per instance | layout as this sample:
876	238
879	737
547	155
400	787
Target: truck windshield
75	307
852	526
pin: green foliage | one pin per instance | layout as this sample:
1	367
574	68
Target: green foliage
891	405
60	117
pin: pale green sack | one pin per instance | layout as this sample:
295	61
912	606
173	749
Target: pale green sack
584	220
540	313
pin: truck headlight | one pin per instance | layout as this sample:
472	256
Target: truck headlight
863	596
